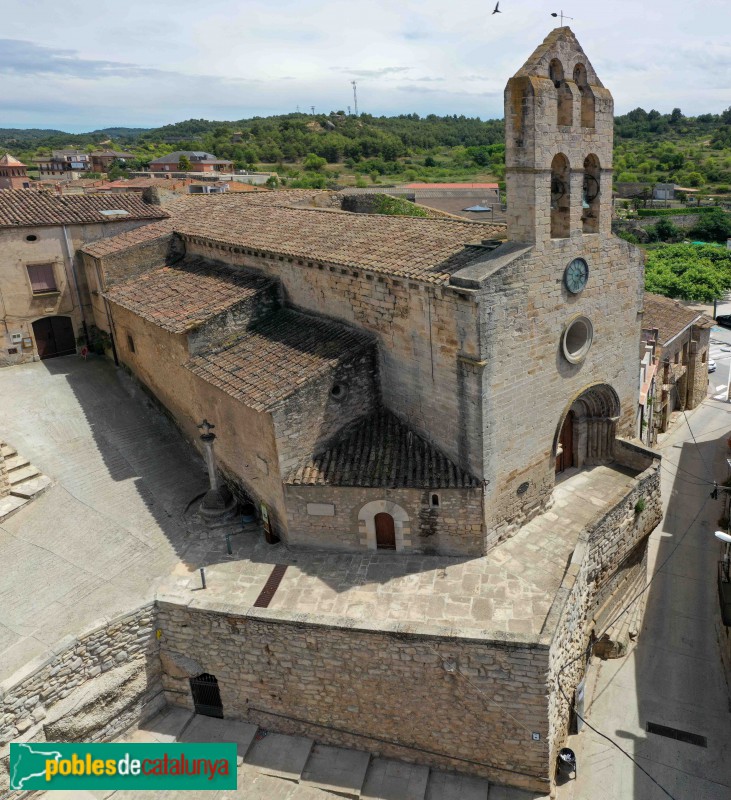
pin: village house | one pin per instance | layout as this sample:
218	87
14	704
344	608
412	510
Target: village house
67	164
101	160
680	338
199	162
45	302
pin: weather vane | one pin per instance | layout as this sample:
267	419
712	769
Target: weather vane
560	14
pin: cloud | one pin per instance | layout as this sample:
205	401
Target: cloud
27	58
372	73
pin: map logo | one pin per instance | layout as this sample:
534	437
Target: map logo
155	766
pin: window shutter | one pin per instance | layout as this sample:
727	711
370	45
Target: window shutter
42	278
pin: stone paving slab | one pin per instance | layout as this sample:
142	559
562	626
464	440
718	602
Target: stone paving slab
508	592
280	756
395	780
336	769
453	786
31	487
210	729
164	727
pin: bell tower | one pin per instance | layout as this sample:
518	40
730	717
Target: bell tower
559	130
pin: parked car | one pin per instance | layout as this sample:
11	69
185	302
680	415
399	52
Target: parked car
711	365
725	320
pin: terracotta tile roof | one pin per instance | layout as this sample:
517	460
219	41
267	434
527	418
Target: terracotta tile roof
181	297
669	316
10	161
409	247
123	241
45	208
382	451
277	356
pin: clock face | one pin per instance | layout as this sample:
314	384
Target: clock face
576	275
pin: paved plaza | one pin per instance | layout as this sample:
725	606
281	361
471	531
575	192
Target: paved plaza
507	593
96	543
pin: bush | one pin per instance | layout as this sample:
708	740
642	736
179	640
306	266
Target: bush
714	227
396	206
670	212
666	231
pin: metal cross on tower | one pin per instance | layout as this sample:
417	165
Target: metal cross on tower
561	15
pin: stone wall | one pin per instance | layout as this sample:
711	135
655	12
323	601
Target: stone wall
454	527
368	204
91	689
245	446
48	247
600	554
426	335
310	419
528	385
386	692
681	220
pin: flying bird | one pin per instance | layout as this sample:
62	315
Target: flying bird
497	8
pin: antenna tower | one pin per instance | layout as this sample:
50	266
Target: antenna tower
355	97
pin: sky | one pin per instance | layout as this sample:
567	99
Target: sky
76	66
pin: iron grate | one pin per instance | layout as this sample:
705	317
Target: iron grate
270	587
676	733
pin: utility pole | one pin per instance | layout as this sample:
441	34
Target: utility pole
355	97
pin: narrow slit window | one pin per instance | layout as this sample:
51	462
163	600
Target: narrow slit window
130	343
434	500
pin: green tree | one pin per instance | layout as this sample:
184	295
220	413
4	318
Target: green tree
690	272
314	163
184	164
712	227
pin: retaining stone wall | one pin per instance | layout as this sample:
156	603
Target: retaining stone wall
92	689
599	552
392	687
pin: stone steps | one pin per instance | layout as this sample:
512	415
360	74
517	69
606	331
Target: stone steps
618	638
310	770
26	481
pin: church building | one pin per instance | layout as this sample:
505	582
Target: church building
395	382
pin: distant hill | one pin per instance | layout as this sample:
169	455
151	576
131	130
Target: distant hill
319	150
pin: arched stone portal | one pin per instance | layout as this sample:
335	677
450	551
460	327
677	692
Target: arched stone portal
367	523
592	417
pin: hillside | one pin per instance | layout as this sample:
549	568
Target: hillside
317	150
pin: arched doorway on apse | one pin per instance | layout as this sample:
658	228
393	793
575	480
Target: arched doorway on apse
587	429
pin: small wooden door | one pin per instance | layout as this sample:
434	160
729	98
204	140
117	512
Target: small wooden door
54	337
565	452
385	532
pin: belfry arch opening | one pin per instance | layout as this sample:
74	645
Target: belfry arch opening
560	197
587	429
588	106
564	96
590	195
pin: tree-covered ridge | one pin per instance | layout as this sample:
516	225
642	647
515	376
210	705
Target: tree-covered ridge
649	146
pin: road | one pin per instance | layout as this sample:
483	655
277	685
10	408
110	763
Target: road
674	675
